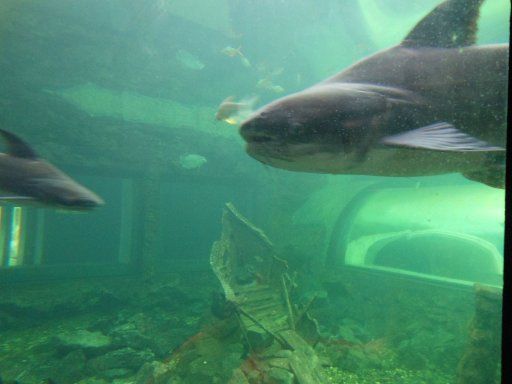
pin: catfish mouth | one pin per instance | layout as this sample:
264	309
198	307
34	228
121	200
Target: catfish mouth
269	146
273	152
252	135
259	138
265	149
260	144
305	157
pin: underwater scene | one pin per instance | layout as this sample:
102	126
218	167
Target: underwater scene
252	191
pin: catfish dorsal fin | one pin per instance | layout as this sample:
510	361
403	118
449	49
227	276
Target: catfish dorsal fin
452	24
17	147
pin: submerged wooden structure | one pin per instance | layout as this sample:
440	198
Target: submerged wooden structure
256	282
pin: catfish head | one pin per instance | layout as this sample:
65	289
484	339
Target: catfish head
55	188
26	178
328	125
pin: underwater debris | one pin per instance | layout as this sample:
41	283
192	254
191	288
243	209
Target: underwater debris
251	280
254	279
253	340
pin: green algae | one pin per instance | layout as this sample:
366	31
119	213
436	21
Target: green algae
134	107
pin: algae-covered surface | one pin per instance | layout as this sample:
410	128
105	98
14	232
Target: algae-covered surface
124	331
97	101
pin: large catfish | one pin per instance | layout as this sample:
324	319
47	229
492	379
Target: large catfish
436	103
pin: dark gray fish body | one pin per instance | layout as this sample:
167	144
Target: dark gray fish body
431	105
28	179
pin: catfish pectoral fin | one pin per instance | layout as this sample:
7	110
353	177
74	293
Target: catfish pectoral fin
439	137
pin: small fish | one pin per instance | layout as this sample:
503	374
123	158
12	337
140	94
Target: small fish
276	89
189	60
233	112
264	84
236	52
192	161
245	62
232	52
29	179
267	85
277	72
